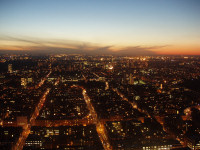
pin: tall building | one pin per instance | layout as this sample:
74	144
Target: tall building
161	86
30	80
193	141
10	68
131	80
24	82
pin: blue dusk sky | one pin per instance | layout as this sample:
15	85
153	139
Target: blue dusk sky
160	26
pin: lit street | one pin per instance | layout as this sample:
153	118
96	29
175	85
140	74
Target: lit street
22	139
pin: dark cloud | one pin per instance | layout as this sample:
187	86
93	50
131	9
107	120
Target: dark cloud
41	46
10	38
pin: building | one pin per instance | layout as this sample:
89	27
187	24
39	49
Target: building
131	80
193	141
24	82
10	68
22	121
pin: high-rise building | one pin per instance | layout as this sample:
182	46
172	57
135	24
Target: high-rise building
30	80
161	86
10	68
24	82
131	80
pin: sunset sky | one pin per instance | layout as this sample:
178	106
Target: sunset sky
159	26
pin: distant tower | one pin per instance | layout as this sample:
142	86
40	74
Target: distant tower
10	68
161	86
131	81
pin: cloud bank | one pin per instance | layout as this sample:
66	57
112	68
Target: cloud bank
55	46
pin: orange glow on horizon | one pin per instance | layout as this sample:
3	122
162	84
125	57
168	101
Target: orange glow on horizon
179	50
168	50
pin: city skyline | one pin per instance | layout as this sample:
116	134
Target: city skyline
99	102
131	27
